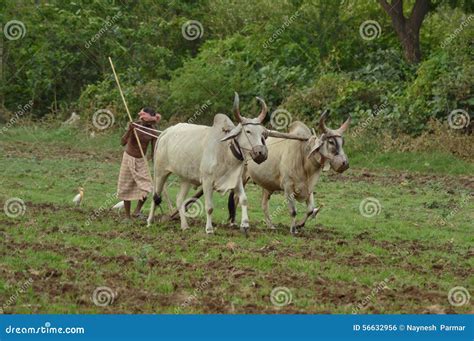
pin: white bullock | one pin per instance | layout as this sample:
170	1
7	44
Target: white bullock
212	157
294	167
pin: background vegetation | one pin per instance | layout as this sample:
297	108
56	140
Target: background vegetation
318	59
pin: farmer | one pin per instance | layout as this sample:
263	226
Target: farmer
134	181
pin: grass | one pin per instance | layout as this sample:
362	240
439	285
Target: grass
421	240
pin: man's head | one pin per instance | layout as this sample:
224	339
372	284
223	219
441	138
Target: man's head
149	115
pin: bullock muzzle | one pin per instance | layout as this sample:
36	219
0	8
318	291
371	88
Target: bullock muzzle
340	163
259	154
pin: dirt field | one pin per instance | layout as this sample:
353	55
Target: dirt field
404	258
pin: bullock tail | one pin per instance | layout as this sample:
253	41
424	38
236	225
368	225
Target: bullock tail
231	207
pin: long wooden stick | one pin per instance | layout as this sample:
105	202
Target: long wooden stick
131	122
129	116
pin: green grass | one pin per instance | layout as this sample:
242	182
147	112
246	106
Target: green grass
330	268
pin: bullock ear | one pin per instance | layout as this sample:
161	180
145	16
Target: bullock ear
233	133
317	146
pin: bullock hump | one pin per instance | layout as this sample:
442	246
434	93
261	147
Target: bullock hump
300	129
221	120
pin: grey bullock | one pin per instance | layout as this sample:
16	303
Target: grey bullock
294	167
213	157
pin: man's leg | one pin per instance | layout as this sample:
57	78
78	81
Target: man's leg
139	206
127	204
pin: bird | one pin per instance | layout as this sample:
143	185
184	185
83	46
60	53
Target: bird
78	198
118	206
72	120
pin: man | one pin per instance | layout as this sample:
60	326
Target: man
134	180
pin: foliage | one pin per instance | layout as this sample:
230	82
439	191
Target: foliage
301	55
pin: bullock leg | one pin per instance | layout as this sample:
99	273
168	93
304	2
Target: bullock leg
265	199
183	192
231	206
290	197
240	191
311	212
159	183
207	187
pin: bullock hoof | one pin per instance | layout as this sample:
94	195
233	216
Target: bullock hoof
272	227
244	228
315	212
210	231
294	230
184	228
233	224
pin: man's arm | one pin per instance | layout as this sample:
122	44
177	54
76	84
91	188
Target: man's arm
153	144
126	136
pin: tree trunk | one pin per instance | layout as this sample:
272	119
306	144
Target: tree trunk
407	29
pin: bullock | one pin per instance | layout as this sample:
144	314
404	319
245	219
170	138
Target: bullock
294	167
213	157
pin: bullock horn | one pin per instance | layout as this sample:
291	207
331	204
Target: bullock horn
322	119
264	111
344	126
277	134
236	107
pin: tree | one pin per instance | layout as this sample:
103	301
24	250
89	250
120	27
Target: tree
408	29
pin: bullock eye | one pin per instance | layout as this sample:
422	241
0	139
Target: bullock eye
248	131
331	142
